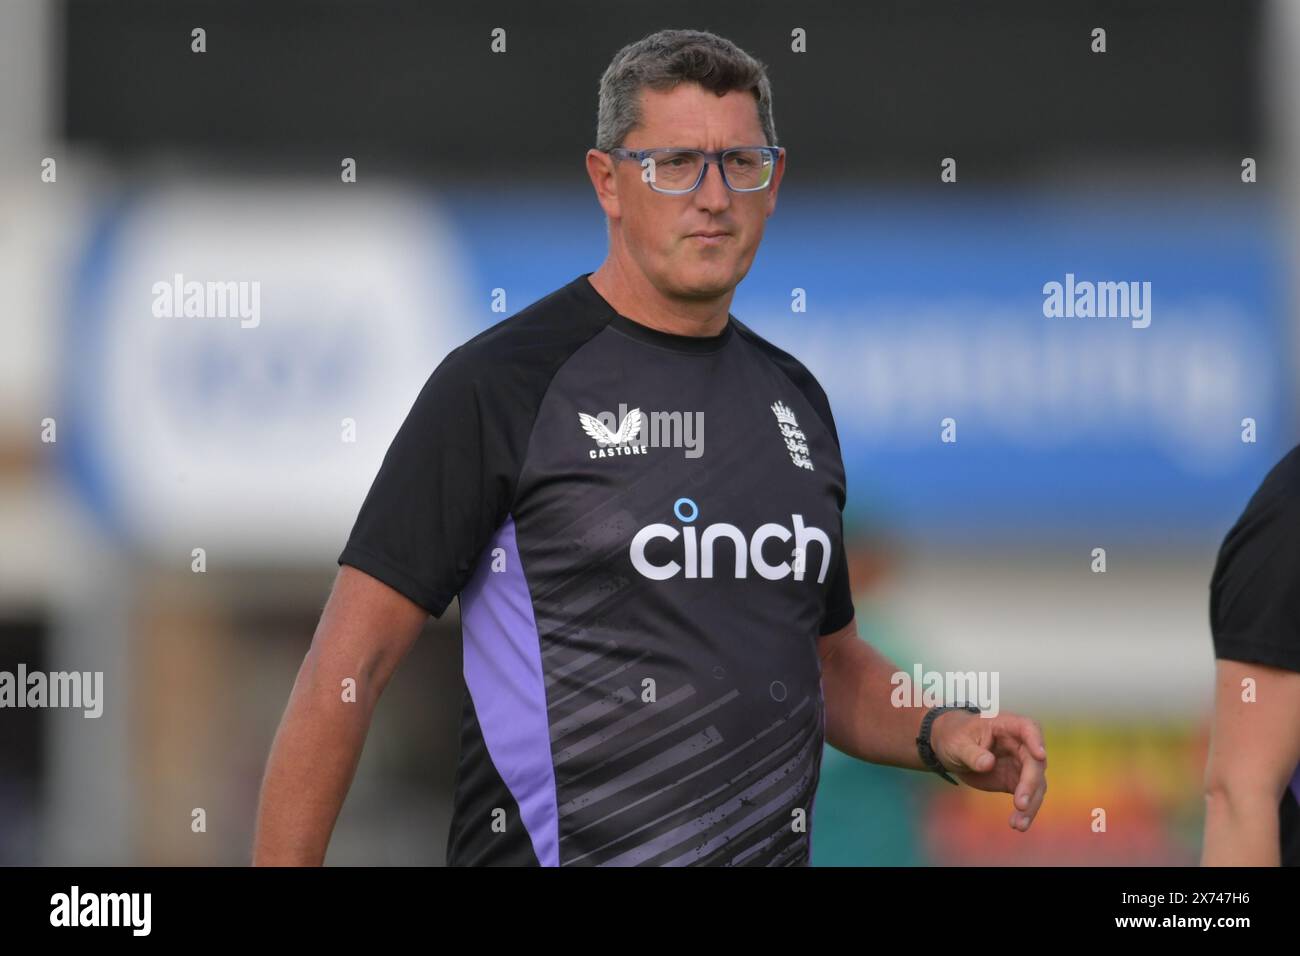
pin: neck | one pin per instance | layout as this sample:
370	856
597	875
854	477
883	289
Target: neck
633	295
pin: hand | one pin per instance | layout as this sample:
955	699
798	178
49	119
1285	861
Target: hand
1005	754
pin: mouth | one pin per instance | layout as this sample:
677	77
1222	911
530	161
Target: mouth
711	238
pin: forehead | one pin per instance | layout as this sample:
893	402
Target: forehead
689	115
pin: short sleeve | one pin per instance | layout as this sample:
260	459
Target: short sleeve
839	596
436	501
1255	589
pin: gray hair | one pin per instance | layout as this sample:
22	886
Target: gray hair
660	62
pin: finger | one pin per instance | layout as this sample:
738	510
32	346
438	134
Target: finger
1017	730
1036	800
1022	737
1029	789
1032	734
1023	819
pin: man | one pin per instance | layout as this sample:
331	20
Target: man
648	630
1252	777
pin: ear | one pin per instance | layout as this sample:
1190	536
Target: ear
776	184
601	171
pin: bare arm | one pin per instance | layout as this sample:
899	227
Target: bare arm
860	720
1254	750
364	632
1004	753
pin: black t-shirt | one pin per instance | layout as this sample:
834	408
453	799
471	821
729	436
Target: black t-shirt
1255	600
640	621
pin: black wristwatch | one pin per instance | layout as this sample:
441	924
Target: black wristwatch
928	756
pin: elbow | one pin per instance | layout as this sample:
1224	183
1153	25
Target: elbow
1237	796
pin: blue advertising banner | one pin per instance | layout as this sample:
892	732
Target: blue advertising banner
1000	365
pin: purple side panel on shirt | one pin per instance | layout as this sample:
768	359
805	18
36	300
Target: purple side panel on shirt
503	668
1295	785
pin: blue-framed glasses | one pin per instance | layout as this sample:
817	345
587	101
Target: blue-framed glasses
745	169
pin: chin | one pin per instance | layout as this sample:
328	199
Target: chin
707	279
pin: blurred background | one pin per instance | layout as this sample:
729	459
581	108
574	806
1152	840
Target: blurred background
127	440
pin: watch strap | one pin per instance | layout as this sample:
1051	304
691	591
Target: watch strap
928	756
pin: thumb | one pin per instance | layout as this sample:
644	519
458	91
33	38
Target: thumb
971	755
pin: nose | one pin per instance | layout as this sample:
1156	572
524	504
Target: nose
713	193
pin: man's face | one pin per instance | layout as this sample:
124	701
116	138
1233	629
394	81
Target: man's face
661	231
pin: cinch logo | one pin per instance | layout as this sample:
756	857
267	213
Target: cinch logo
697	550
